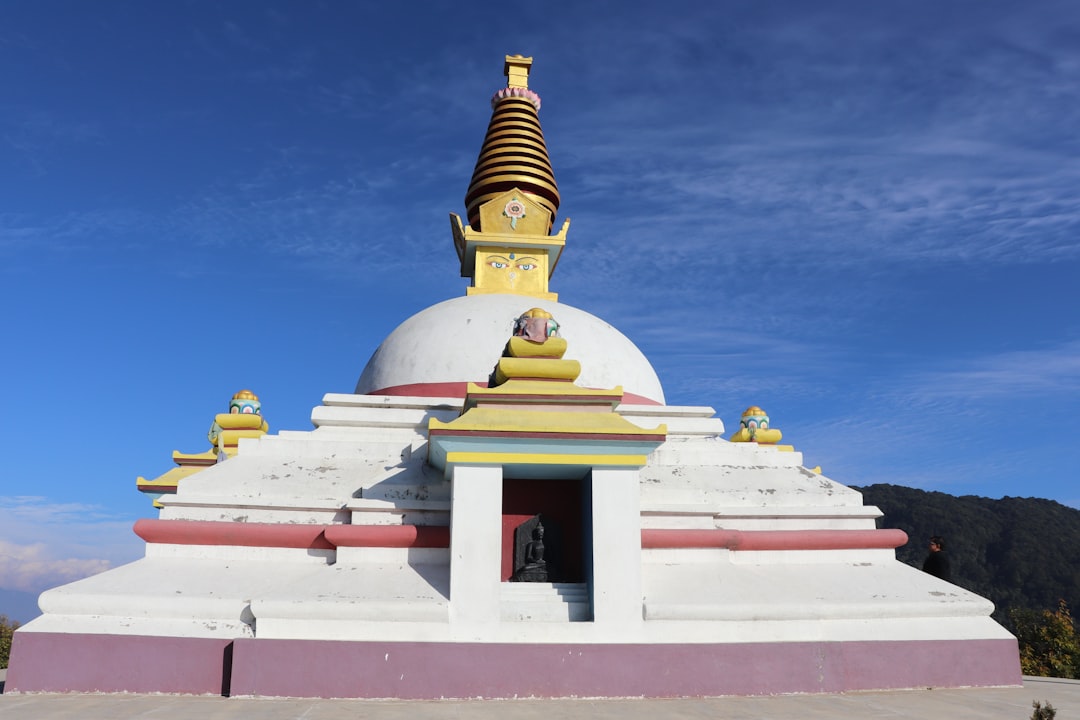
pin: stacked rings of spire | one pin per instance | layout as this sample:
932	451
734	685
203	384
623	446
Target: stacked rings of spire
513	155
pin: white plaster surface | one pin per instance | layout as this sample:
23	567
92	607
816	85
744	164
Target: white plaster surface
476	544
616	544
544	602
460	340
366	464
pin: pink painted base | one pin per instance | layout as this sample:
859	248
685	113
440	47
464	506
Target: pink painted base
62	662
51	662
309	668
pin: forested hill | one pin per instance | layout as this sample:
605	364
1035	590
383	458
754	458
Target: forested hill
1019	552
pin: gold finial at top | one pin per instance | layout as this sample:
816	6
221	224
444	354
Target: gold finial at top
516	70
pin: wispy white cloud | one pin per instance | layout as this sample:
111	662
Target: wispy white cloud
32	568
945	429
1050	373
71	541
852	203
782	144
62	234
716	147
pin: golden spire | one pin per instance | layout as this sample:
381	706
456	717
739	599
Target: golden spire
514	154
506	247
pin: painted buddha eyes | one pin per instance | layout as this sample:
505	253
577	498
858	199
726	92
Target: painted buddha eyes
524	264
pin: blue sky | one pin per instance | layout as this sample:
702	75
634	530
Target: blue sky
861	216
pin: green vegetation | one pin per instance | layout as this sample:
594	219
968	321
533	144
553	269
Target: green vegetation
1022	553
1048	643
7	630
1043	713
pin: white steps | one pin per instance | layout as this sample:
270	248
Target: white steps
545	602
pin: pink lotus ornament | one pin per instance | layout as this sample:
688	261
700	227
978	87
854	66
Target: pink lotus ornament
515	210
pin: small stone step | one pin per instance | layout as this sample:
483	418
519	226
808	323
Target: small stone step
545	602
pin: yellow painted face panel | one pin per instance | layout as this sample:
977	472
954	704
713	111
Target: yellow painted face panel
500	269
514	213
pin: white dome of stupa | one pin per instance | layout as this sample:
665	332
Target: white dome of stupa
436	352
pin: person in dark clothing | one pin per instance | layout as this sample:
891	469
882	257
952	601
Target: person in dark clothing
937	562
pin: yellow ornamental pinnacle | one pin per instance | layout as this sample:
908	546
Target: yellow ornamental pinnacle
245	402
506	245
755	427
516	70
513	154
244	420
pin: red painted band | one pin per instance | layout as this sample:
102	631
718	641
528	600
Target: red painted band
460	389
774	539
443	389
327	537
206	532
391	536
316	537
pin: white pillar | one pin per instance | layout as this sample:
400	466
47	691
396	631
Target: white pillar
475	543
616	544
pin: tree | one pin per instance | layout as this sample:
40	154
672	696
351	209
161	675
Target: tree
7	630
1049	646
1018	552
1043	713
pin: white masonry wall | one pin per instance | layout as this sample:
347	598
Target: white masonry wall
365	463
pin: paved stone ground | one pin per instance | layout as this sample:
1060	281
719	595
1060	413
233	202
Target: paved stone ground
983	704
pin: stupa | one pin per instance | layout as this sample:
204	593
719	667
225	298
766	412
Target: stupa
507	507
